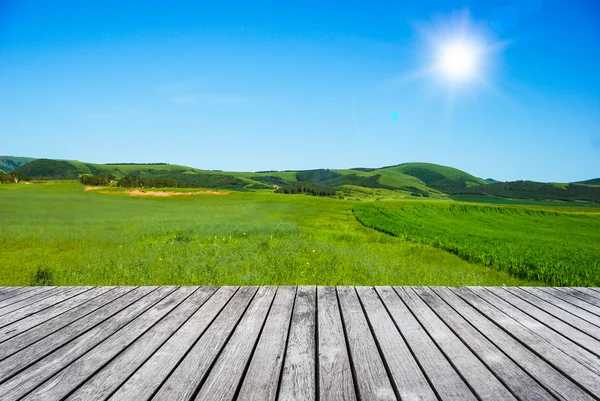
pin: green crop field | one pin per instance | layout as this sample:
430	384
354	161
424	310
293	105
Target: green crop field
555	247
59	234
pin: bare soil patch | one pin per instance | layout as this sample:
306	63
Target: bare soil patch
139	192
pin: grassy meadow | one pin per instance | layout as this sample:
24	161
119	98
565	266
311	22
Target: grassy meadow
556	247
59	234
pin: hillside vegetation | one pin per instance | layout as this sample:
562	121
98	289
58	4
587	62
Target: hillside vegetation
408	180
594	181
10	163
557	248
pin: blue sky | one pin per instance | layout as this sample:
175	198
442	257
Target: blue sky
246	86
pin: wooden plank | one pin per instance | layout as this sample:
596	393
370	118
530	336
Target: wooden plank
546	374
538	345
407	378
557	312
35	319
334	371
262	377
107	380
19	291
42	304
552	329
591	295
34	375
27	298
228	370
6	290
298	379
183	383
566	306
372	381
483	382
585	294
573	297
69	378
148	378
444	379
512	375
44	330
10	292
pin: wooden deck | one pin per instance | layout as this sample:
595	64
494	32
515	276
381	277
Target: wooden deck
299	343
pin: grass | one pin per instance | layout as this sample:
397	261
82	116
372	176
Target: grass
554	247
530	202
57	234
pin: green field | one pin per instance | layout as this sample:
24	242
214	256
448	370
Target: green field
530	202
555	246
56	233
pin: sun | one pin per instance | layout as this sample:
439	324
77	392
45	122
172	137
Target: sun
458	60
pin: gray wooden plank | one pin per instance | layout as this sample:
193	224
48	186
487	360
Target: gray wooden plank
20	291
112	375
407	377
298	379
512	375
5	290
148	378
19	385
10	292
479	378
262	377
372	381
566	306
228	370
559	360
41	305
557	312
446	382
27	298
593	295
334	371
191	372
573	297
44	330
35	319
585	294
72	376
552	329
547	375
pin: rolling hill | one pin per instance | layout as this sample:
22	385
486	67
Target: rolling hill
408	179
10	163
593	181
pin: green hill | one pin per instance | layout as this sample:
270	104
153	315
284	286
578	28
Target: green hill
431	173
593	181
404	180
10	163
534	190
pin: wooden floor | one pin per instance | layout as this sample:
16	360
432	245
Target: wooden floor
299	343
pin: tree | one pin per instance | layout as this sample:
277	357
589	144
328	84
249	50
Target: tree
16	176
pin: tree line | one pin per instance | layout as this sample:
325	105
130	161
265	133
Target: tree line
304	187
521	190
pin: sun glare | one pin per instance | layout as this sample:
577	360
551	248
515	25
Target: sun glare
458	60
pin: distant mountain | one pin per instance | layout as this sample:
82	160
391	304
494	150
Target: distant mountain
10	163
491	180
